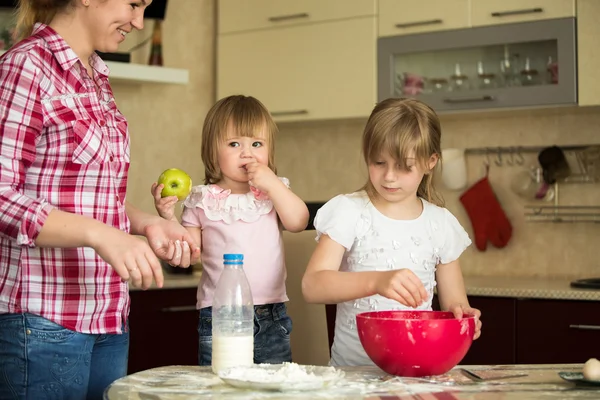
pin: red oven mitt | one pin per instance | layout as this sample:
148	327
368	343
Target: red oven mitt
487	217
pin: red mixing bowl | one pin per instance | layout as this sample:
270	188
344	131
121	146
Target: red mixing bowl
415	343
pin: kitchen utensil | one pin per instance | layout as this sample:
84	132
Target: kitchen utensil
554	164
578	379
489	375
454	169
530	185
590	283
415	343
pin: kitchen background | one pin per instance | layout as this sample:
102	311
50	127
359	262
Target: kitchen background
322	159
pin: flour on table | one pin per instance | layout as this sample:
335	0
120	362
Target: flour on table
282	373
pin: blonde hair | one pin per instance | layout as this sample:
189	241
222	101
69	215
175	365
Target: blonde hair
30	12
398	127
247	117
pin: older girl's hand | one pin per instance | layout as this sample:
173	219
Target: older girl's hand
403	286
460	309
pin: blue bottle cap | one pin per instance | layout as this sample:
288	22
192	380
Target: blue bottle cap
233	257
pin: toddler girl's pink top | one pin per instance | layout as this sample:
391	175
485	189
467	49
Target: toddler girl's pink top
238	223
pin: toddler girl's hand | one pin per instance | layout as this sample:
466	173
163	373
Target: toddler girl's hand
165	206
403	286
459	310
261	176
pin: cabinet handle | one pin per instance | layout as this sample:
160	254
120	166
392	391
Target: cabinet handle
419	23
469	99
280	18
586	327
517	12
178	309
291	112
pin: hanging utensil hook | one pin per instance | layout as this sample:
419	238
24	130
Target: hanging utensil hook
511	157
498	160
520	158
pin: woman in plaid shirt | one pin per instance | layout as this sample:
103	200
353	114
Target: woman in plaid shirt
67	250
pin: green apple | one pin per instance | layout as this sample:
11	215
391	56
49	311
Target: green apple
177	183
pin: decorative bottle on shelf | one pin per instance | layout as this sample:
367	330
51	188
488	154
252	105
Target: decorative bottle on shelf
156	49
232	317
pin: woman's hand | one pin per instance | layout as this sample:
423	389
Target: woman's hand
131	257
459	310
165	206
403	286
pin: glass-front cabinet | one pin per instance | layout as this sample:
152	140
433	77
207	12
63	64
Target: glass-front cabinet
509	65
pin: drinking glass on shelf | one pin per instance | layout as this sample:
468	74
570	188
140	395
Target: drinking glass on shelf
459	80
529	76
508	69
487	79
439	85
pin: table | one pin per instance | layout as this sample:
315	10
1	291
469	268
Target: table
193	382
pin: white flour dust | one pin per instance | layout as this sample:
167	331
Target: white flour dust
464	326
282	373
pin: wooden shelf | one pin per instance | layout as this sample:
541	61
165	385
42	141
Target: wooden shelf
139	73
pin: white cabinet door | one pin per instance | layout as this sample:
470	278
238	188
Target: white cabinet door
244	15
588	57
404	17
493	12
305	72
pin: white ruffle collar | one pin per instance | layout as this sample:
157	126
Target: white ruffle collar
221	205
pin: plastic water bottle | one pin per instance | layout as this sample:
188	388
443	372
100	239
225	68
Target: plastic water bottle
232	317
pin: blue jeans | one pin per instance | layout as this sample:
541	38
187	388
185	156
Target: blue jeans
272	328
42	360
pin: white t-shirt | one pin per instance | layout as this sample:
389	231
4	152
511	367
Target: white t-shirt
375	242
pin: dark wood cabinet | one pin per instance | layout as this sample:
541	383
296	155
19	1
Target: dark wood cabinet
163	328
557	331
497	343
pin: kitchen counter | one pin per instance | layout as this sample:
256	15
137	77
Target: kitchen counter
534	288
184	382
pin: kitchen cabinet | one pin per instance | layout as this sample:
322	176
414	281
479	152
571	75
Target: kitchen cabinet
588	56
557	331
163	328
497	344
239	16
403	17
493	12
304	72
489	67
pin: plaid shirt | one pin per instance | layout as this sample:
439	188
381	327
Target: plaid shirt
64	145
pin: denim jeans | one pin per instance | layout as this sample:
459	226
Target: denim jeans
272	328
42	360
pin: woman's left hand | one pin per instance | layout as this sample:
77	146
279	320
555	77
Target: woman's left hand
171	242
460	309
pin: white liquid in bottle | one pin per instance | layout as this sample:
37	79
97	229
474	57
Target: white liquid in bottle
232	351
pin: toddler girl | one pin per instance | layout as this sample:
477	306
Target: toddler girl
242	208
